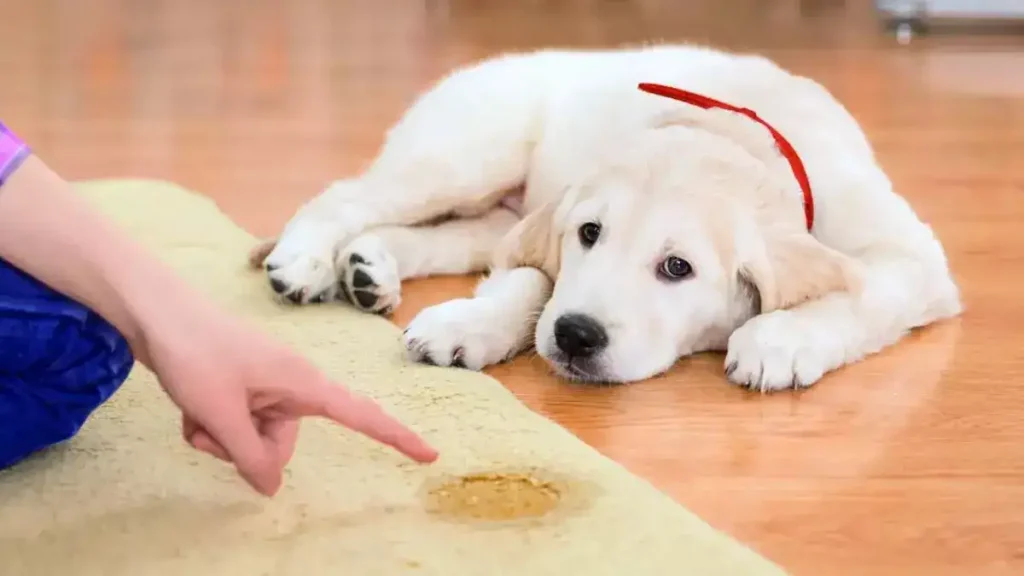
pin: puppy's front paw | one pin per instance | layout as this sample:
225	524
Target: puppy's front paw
369	278
464	333
774	352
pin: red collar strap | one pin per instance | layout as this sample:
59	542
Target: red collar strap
785	147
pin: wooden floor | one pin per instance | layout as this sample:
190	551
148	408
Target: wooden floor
910	463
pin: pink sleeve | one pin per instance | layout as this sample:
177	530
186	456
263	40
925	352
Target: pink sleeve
12	153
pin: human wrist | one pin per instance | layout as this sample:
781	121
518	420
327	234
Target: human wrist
153	304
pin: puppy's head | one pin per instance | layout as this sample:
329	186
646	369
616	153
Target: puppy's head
665	251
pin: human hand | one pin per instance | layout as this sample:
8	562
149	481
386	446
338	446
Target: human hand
242	396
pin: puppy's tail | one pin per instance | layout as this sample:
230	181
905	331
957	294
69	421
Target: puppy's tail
260	252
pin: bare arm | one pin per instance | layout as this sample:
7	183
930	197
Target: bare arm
50	232
241	393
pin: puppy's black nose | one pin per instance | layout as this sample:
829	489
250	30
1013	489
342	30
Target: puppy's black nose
579	335
278	285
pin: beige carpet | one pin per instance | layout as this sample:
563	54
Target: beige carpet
127	497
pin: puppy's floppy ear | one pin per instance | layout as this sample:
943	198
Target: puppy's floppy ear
533	242
793	267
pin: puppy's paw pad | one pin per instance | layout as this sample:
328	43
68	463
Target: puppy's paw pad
774	352
369	280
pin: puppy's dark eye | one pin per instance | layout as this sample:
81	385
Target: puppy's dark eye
589	233
674	268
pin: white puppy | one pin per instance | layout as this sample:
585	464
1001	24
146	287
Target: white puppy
651	229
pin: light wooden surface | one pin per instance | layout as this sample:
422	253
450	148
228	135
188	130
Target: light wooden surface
909	463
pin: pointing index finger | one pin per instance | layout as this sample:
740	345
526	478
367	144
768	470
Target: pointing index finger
365	416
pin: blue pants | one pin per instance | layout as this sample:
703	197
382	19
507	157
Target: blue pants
59	361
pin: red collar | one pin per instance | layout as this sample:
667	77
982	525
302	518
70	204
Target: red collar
785	147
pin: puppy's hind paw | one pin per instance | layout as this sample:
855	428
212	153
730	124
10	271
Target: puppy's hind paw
369	278
303	280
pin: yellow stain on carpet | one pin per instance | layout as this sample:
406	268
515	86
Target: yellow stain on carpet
513	493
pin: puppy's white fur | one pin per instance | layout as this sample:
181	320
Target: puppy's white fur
662	178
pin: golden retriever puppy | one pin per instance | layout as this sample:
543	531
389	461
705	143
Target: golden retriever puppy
623	228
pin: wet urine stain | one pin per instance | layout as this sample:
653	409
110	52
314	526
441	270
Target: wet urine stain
494	497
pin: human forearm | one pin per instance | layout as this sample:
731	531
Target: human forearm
51	233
